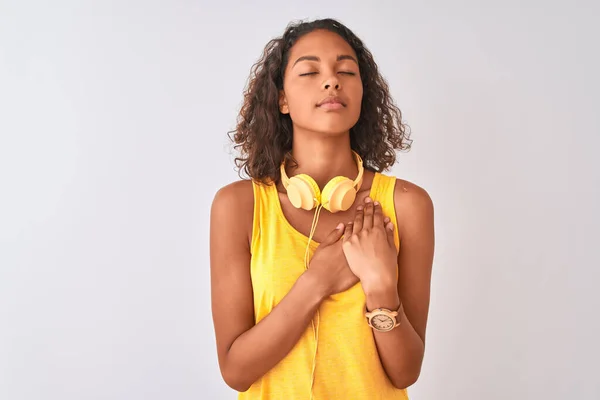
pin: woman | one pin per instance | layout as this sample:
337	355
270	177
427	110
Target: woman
312	294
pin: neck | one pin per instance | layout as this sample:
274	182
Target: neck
323	158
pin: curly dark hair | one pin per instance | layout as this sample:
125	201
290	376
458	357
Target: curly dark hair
263	135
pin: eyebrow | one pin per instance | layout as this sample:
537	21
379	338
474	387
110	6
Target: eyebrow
315	58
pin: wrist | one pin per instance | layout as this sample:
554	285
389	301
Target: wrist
379	285
383	297
315	286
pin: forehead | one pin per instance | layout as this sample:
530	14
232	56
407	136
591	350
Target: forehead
320	43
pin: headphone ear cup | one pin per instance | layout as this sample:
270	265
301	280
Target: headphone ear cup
339	194
303	192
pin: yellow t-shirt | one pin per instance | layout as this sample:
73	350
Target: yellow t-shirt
347	363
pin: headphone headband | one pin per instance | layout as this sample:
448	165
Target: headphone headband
357	182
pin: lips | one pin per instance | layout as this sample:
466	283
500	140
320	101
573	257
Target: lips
331	101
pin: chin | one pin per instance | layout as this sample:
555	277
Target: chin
333	130
330	125
333	126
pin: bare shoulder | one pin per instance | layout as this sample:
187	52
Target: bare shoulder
409	194
413	204
233	204
239	193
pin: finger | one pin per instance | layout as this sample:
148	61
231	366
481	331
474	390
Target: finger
385	221
334	235
389	229
368	219
377	215
348	230
358	219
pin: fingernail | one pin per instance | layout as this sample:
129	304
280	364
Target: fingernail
367	200
359	208
376	203
386	220
340	226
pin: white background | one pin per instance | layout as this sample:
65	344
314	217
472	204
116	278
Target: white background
113	140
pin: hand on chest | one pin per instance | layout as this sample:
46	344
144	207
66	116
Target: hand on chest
302	220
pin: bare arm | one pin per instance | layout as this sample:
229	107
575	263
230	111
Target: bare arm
402	350
247	351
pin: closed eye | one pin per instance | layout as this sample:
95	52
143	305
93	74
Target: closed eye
341	72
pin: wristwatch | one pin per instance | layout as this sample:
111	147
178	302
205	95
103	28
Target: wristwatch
382	319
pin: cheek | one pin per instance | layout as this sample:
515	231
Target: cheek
357	95
358	90
300	108
299	101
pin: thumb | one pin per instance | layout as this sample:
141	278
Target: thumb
334	235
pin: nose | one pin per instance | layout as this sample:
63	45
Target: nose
332	82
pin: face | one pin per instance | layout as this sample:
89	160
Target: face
322	88
382	322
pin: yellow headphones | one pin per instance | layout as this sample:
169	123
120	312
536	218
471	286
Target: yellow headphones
337	195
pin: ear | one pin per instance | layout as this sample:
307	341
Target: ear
283	106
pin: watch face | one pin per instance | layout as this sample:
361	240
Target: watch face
382	322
